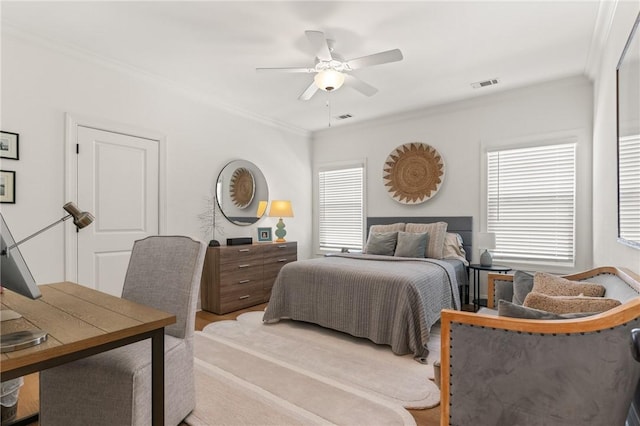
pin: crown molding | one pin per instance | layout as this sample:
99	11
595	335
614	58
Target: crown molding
601	31
458	105
186	91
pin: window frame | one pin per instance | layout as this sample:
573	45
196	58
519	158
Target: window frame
623	171
582	236
350	164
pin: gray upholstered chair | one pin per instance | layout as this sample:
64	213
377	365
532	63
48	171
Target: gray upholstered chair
114	388
509	371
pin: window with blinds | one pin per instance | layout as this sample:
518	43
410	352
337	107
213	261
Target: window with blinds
531	203
629	188
341	208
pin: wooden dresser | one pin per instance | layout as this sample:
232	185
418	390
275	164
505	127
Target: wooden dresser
236	277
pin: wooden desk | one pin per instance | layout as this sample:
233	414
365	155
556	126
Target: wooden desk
82	322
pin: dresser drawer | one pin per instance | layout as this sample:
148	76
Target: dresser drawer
238	297
231	254
253	275
276	249
247	266
273	266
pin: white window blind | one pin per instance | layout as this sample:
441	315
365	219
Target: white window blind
531	203
341	208
629	188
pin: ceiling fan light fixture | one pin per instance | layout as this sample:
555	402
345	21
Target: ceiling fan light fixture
329	80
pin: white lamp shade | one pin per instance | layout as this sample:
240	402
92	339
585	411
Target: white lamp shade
281	208
486	240
329	80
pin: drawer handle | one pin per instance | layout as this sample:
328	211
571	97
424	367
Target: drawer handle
244	250
243	297
244	266
282	260
243	281
282	246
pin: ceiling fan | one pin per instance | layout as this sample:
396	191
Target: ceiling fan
331	70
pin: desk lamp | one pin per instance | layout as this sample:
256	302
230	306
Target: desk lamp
15	275
280	208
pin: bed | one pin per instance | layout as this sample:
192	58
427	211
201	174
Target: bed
386	298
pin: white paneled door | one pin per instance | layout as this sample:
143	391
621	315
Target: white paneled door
117	181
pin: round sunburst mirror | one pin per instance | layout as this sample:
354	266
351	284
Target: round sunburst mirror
413	173
242	192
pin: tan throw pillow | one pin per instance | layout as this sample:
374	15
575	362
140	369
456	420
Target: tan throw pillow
553	285
453	247
437	232
393	227
568	304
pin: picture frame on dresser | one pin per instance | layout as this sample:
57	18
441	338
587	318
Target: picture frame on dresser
265	235
9	145
7	187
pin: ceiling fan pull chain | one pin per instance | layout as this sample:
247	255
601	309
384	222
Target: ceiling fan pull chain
328	109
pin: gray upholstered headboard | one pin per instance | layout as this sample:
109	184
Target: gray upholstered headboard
462	225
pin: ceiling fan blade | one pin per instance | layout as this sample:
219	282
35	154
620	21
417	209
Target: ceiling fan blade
319	43
375	59
309	92
287	69
362	87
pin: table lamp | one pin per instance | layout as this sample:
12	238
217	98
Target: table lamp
15	275
486	241
280	208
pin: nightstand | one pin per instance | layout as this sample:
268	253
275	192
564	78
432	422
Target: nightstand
476	268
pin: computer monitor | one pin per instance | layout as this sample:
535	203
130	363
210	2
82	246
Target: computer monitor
14	272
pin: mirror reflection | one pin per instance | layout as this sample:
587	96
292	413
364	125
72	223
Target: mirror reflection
242	193
628	79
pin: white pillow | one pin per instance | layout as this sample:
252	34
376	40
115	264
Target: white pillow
453	248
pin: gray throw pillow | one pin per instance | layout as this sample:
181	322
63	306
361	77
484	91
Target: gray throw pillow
508	309
522	285
412	244
383	243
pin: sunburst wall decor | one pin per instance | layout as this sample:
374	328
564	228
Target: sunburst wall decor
413	173
242	187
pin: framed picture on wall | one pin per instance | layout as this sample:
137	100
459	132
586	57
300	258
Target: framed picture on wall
7	187
9	145
264	235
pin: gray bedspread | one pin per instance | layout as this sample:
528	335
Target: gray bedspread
389	300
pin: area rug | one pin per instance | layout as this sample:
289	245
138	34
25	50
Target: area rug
298	373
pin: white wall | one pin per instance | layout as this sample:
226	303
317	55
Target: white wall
40	84
606	249
460	131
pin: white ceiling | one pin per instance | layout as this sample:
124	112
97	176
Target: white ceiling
213	47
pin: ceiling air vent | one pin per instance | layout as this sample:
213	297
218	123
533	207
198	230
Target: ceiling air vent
484	83
344	116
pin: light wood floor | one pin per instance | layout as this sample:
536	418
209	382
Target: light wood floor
28	401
